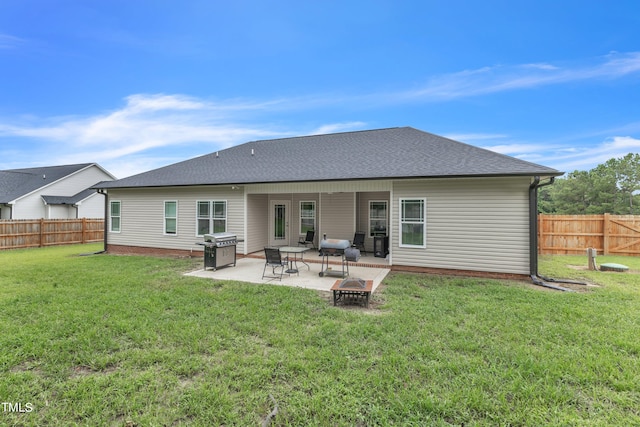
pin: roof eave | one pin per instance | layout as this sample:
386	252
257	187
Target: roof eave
453	176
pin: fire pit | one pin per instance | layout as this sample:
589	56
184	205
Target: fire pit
355	290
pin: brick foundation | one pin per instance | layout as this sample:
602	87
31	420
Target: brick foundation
182	253
464	273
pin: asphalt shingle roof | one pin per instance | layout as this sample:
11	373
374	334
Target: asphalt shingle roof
68	200
374	154
15	183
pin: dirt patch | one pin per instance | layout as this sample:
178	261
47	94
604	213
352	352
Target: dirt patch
28	366
578	267
82	371
585	268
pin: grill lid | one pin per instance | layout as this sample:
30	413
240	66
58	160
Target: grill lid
334	244
216	237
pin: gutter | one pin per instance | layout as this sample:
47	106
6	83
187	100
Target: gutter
106	219
533	240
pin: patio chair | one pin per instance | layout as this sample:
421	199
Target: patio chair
358	242
308	239
274	260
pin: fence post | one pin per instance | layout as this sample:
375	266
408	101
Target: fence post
40	243
605	234
84	228
540	239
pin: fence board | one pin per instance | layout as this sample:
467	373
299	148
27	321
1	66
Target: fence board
573	234
557	234
30	233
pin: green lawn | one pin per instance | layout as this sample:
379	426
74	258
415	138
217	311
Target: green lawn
128	341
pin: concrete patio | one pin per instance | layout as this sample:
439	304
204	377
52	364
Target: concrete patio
250	270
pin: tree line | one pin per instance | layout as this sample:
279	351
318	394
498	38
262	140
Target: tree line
611	187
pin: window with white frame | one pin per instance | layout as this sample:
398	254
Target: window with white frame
211	217
413	230
307	216
377	218
171	217
114	216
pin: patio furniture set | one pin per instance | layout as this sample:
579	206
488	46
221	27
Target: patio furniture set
286	259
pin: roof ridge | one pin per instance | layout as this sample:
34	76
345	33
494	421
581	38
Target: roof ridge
320	134
17	171
23	170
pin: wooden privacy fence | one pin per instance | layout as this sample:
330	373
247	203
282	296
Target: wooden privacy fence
573	234
30	233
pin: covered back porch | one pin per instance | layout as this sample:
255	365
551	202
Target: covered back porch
277	217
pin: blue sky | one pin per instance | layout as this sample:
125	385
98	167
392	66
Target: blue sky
137	84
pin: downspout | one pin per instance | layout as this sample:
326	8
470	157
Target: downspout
533	234
106	219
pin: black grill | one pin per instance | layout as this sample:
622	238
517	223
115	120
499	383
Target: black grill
341	248
219	250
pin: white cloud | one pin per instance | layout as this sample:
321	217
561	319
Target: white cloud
581	157
146	121
502	78
513	149
572	153
10	42
622	142
540	66
473	137
147	126
337	127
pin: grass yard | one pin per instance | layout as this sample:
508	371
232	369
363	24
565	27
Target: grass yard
128	341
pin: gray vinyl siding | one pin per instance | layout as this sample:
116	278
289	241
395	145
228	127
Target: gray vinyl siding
61	212
92	207
32	205
258	218
142	216
471	224
295	219
257	222
363	213
337	215
479	224
319	187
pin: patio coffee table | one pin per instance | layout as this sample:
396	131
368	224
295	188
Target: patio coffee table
295	250
352	288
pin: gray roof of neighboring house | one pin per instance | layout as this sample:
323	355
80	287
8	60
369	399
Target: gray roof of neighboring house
70	200
402	152
15	183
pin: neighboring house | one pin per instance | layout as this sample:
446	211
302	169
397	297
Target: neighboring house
443	204
52	192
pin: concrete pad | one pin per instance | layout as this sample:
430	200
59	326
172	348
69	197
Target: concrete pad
250	270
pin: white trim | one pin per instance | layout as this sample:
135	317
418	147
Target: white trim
111	230
245	220
287	226
320	187
164	218
422	222
211	216
61	179
386	219
390	228
354	209
315	216
90	196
